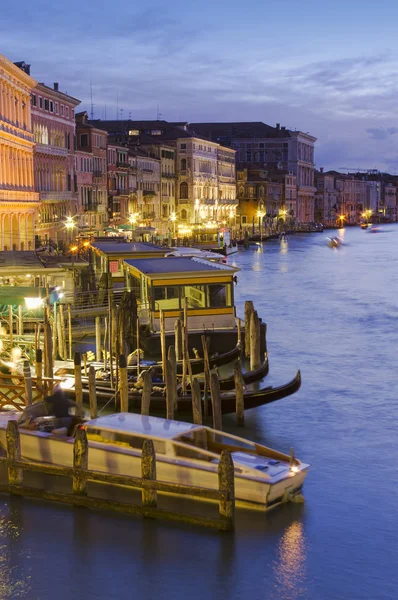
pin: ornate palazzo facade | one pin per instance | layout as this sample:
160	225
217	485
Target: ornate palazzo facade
18	201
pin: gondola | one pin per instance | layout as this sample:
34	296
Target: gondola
252	398
226	383
197	364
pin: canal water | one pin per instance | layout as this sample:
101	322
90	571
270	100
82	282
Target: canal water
333	313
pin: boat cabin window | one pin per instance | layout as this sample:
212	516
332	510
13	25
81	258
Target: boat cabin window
182	451
166	297
123	439
213	442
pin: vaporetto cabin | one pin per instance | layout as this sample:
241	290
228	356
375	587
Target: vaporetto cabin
162	284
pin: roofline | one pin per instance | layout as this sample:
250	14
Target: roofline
17	72
59	94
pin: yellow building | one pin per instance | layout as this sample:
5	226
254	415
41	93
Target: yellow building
18	201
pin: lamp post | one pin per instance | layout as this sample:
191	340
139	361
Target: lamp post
133	220
69	226
173	219
260	216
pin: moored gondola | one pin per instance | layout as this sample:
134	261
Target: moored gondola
252	398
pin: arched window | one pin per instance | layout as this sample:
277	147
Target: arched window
184	190
183	215
261	191
241	192
183	164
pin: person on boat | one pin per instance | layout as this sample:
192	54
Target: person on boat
58	405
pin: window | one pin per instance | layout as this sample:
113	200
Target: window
33	99
51	106
67	112
62	109
40	102
56	108
183	147
134	132
84	140
183	193
183	215
219	295
195	295
183	164
166	298
46	104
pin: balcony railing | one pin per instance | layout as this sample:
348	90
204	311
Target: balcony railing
91	207
149	193
148	215
122	163
56	196
49	149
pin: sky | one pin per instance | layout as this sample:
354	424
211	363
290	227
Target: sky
327	68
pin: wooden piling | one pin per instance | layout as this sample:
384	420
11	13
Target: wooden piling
178	338
62	345
148	471
216	401
146	392
10	323
171	356
196	402
48	350
171	391
226	483
15	476
255	355
27	375
205	346
78	380
240	332
240	404
80	463
39	372
98	338
70	330
92	392
123	384
20	320
163	344
249	308
105	342
138	347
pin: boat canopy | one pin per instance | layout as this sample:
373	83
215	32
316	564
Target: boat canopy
141	424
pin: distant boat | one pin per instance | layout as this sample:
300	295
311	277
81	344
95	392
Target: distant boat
334	242
364	225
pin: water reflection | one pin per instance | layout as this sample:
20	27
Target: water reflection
290	569
284	246
15	579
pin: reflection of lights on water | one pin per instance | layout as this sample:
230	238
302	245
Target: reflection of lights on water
290	571
14	581
284	246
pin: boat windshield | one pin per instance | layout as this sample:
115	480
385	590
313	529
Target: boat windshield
206	439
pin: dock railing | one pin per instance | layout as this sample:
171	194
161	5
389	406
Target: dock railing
150	486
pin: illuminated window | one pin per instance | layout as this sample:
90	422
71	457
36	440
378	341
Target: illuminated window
183	194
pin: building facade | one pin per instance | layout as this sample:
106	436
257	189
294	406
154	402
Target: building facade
94	141
18	200
53	120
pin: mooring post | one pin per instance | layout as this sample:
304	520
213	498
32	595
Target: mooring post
98	338
163	344
10	322
48	348
78	380
216	401
27	375
205	346
123	384
84	356
178	338
171	391
249	308
80	463
196	402
15	476
239	332
105	353
255	355
240	403
171	357
146	392
70	330
148	472
63	334
20	320
226	484
39	373
92	392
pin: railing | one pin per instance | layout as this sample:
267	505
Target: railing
56	196
13	390
121	163
150	486
149	193
148	215
50	149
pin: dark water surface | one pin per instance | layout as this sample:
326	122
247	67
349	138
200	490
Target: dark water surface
334	315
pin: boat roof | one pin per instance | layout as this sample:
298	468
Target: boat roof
177	264
122	247
141	424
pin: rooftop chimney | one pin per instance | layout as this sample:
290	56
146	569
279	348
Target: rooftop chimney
56	86
23	66
278	125
321	169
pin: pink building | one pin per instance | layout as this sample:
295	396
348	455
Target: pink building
53	120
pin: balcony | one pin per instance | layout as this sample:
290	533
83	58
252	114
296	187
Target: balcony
149	193
123	164
52	150
91	207
169	175
148	216
56	196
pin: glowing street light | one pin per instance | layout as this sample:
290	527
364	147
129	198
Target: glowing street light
173	219
260	215
133	221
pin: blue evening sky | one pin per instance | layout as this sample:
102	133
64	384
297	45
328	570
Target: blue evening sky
327	68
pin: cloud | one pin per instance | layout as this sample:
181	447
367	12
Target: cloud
378	133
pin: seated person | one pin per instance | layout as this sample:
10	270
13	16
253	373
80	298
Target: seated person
58	405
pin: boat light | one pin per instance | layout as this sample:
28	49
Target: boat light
294	469
33	303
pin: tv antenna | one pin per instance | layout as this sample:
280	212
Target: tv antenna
158	114
91	98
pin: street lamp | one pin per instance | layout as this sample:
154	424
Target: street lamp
133	220
69	226
260	216
173	219
341	218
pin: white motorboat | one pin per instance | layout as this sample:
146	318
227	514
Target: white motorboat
185	453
